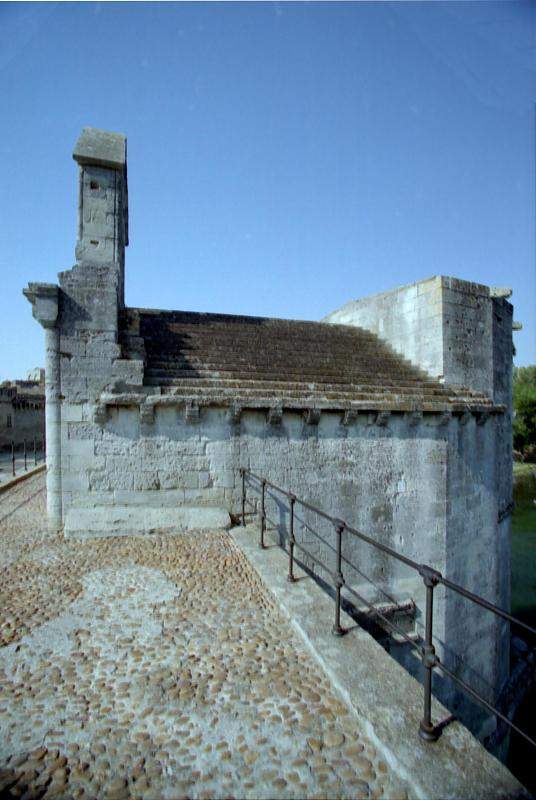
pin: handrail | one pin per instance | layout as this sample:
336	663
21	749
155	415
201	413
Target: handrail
431	578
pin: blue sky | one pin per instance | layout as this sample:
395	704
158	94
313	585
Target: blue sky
283	157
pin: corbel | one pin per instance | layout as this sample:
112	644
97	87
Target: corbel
147	413
350	416
275	415
235	412
415	418
191	412
482	417
311	416
382	418
100	414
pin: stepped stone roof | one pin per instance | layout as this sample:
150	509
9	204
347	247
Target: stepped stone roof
260	362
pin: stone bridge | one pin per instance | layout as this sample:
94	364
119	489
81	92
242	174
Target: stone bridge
183	665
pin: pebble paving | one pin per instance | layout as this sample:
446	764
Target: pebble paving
158	667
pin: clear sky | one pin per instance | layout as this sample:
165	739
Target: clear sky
284	158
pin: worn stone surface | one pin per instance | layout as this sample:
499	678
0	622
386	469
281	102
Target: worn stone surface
159	667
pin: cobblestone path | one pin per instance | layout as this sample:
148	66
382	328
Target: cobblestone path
158	667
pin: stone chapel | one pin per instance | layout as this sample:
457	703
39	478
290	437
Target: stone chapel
393	413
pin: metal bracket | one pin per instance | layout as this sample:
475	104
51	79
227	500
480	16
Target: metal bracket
430	576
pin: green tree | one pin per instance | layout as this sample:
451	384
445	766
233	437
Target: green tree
524	407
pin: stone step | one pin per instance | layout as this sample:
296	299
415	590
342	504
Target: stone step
181	322
301	371
211	361
309	398
206	377
118	520
301	387
269	349
263	357
319	394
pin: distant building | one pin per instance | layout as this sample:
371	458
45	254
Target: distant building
22	409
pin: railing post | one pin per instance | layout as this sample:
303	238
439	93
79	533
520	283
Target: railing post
339	580
243	473
13	457
290	576
263	514
427	731
25	460
35	452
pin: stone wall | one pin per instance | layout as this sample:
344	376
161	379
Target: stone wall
445	326
427	489
409	318
27	422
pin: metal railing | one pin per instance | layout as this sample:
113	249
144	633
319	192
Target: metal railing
33	451
431	578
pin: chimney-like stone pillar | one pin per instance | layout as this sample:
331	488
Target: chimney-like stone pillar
44	298
102	201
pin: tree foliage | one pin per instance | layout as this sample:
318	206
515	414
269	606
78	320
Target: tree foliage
525	407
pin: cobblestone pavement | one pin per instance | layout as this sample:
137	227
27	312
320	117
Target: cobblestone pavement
158	667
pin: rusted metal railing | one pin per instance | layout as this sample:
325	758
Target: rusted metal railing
25	452
431	578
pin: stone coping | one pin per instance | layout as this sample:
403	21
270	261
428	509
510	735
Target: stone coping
421	287
102	148
387	700
237	404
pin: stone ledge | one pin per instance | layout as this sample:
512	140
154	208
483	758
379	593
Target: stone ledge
268	404
387	700
126	520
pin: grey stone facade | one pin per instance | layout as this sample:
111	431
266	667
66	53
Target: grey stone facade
397	418
22	410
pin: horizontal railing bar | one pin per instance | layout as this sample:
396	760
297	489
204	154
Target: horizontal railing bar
316	510
485	604
331	519
408	561
385	548
431	577
315	559
289	495
465	686
389	622
331	547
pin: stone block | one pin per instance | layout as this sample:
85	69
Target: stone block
226	479
124	520
80	447
188	480
71	412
